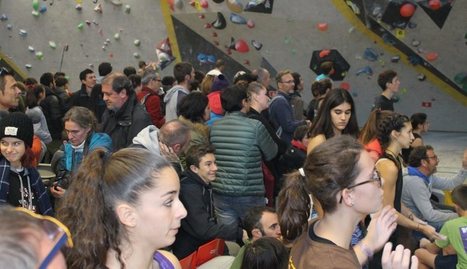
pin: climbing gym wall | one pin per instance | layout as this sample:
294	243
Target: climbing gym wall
362	38
70	35
424	41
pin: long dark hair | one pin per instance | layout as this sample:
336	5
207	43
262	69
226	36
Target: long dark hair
323	124
332	167
88	209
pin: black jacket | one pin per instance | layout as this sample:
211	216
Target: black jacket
123	125
54	111
95	102
200	225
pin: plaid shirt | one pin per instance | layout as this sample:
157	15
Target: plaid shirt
43	201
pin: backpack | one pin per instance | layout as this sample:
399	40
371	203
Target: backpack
161	102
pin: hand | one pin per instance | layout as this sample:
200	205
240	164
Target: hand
245	237
397	259
424	242
381	227
431	233
168	152
57	191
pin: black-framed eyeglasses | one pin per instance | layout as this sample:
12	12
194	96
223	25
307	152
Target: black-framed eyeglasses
376	177
4	72
55	230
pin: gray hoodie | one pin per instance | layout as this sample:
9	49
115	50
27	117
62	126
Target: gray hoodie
171	99
148	138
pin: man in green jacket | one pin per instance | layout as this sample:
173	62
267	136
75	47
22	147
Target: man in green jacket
241	145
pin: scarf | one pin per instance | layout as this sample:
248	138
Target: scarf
412	171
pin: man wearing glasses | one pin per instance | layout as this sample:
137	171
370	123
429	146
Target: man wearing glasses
9	92
149	96
420	181
280	110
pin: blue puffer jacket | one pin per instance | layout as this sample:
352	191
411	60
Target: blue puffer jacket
240	144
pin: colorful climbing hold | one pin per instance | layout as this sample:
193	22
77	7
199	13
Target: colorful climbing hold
407	10
52	44
137	42
241	46
39	55
235	6
220	23
237	19
431	56
322	26
256	44
434	4
250	23
80	26
23	33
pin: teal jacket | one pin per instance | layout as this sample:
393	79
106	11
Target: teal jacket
72	159
241	144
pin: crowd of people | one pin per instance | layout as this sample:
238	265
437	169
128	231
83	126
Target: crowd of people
148	169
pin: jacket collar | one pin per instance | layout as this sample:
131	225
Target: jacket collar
413	171
190	175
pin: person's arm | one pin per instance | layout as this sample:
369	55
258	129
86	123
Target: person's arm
265	142
284	116
389	172
449	184
314	142
381	226
420	195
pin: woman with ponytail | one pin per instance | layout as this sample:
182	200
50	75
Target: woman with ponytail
340	175
121	210
395	133
369	134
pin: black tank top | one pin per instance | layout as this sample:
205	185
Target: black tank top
397	194
375	263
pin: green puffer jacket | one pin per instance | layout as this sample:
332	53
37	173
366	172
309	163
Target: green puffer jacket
240	143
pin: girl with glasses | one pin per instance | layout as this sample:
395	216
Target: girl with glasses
340	175
121	210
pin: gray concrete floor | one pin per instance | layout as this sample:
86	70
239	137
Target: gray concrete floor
449	147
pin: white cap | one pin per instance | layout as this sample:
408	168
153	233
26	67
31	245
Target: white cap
214	72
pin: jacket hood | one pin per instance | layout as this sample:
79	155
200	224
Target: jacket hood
149	138
173	91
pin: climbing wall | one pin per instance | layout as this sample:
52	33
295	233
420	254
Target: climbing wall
44	36
424	41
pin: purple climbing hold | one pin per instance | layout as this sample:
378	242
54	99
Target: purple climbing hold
237	19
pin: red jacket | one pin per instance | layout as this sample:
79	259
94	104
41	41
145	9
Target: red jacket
152	106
